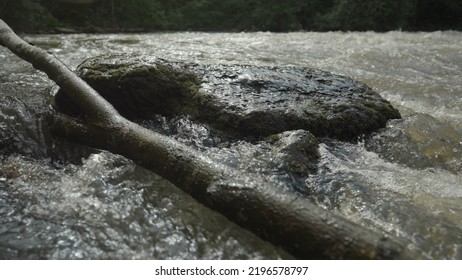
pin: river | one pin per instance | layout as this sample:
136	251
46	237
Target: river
404	181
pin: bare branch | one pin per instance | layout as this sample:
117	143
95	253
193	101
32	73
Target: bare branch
79	91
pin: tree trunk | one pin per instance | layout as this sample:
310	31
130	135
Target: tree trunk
252	201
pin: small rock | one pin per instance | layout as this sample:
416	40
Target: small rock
420	142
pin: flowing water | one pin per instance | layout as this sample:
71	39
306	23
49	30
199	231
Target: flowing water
404	181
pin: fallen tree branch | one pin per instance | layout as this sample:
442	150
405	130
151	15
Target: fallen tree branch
82	94
252	201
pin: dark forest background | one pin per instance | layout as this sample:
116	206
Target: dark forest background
230	15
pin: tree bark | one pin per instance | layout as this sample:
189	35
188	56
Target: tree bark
252	201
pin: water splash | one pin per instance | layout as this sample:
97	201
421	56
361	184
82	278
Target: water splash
424	211
110	208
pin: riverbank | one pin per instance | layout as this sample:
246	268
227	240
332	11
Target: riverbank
33	16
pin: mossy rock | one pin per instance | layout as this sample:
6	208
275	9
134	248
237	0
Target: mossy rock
238	99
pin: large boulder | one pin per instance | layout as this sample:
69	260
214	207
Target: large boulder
238	99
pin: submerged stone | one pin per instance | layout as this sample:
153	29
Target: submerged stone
419	142
296	151
239	99
21	127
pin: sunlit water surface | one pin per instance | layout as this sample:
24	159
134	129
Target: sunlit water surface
404	181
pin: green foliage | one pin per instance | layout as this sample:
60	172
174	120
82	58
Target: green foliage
439	14
234	15
380	15
26	15
127	13
275	15
109	14
311	13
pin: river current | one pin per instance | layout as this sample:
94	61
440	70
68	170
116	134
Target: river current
404	181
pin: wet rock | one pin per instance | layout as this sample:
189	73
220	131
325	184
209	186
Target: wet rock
239	99
297	151
419	142
21	128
